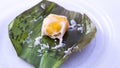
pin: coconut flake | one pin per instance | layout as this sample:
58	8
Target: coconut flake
60	43
30	32
67	52
33	20
76	47
80	29
43	46
30	46
37	40
73	24
39	55
78	25
39	50
42	5
59	46
55	40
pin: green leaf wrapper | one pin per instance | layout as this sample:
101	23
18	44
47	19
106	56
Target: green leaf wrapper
26	27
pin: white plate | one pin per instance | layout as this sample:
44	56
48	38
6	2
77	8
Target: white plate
98	54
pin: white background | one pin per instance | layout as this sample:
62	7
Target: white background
9	9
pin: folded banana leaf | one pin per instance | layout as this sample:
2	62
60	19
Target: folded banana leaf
26	27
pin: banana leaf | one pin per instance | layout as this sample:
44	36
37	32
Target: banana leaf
26	27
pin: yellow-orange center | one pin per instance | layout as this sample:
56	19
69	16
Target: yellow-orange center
53	27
